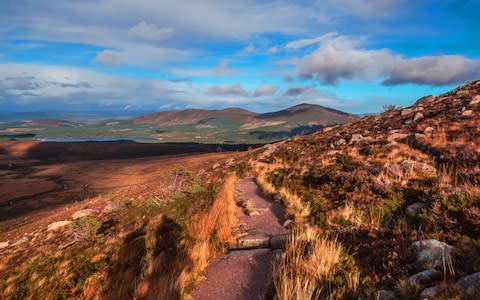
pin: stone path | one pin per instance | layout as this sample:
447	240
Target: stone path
247	273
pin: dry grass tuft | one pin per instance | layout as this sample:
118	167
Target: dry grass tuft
309	264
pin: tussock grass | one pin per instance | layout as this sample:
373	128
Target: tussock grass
310	265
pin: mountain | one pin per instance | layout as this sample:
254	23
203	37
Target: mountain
230	125
400	192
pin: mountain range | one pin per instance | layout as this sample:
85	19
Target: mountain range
230	125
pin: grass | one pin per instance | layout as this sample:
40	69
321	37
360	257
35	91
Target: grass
313	266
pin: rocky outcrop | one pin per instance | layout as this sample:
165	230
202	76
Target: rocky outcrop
432	252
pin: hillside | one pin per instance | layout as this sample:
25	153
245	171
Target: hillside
399	192
230	125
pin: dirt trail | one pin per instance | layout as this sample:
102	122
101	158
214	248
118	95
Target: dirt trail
246	274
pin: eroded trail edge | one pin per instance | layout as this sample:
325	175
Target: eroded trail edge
246	271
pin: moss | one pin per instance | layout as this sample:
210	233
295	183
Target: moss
457	202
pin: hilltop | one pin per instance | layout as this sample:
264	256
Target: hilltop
230	125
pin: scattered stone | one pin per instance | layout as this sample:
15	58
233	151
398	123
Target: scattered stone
406	111
467	113
287	223
394	170
429	293
4	245
355	138
114	206
418	116
84	213
408	122
475	100
419	136
216	166
424	277
21	241
340	142
470	284
432	252
429	130
57	225
385	295
396	136
415	209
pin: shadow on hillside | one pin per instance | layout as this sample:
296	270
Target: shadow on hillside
136	274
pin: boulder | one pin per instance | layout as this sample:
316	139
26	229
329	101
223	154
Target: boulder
429	130
340	142
4	245
385	295
396	136
415	209
407	111
432	252
467	113
57	225
84	213
475	100
470	284
419	167
429	293
355	138
424	277
418	116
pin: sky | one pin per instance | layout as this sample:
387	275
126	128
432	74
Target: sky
152	55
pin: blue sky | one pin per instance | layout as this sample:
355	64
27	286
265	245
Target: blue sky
261	55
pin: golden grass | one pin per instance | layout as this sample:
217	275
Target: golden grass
348	212
214	226
309	261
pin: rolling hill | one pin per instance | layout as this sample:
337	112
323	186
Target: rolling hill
230	125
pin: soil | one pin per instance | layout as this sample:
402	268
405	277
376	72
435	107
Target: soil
41	183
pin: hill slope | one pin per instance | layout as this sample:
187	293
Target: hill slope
382	183
231	125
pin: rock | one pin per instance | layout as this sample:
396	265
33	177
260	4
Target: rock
4	245
396	136
475	100
418	116
415	209
253	241
419	136
355	138
429	130
287	223
57	225
432	252
429	293
84	213
424	277
467	113
385	295
216	166
340	142
394	170
470	284
406	111
114	206
21	241
408	122
278	241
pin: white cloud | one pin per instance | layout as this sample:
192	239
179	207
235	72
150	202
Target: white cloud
249	49
223	69
232	90
272	50
307	42
265	90
344	58
108	57
150	32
